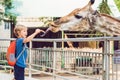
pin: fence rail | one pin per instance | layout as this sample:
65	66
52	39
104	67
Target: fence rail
73	61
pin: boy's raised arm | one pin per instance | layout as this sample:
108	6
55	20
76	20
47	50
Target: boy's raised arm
29	38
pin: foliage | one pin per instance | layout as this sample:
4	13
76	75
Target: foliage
8	4
47	20
104	8
117	2
1	12
10	9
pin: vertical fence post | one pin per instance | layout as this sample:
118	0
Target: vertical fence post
30	59
62	38
106	66
54	60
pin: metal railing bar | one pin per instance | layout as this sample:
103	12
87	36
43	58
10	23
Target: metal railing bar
71	39
67	72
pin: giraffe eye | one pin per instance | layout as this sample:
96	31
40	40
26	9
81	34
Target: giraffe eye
78	16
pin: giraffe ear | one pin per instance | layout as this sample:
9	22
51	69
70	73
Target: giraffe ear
95	12
92	1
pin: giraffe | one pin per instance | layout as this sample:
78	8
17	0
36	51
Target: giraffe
87	19
84	19
72	21
80	20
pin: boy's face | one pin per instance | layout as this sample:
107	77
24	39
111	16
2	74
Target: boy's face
23	33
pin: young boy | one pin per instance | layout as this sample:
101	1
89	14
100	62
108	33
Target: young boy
20	32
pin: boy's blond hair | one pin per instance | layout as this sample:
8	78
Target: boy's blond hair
18	28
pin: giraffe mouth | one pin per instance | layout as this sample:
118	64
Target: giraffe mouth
54	25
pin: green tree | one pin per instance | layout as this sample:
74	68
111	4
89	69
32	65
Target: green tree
104	8
10	9
1	11
117	2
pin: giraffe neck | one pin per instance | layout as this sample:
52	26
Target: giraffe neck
107	24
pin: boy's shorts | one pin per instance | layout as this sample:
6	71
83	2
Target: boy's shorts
18	73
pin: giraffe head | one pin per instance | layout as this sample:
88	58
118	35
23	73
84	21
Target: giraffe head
84	19
77	20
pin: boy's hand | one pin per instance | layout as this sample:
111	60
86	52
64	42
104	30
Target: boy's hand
38	31
29	38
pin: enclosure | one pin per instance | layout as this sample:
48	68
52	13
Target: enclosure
86	63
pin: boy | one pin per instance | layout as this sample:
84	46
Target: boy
20	32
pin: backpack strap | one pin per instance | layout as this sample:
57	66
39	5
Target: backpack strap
20	53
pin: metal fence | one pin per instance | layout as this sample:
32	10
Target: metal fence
84	64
